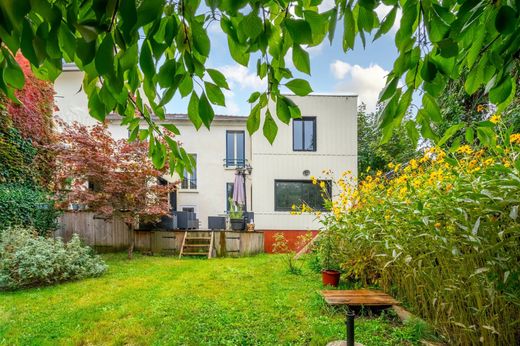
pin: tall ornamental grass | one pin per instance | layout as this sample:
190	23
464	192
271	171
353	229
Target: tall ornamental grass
442	234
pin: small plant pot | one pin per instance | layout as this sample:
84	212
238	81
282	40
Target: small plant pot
237	224
330	277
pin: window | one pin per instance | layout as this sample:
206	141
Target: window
235	148
229	194
296	192
189	182
304	134
188	209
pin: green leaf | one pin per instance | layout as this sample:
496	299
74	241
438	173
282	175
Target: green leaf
349	29
148	11
270	128
470	135
238	53
104	60
146	60
215	95
387	23
282	110
501	92
505	21
428	70
254	96
412	132
166	76
12	73
251	25
171	128
253	121
205	110
200	39
299	86
299	30
96	107
431	108
449	133
218	78
186	85
193	110
475	78
85	51
301	59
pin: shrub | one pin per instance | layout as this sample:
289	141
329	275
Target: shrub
27	260
281	246
26	206
441	234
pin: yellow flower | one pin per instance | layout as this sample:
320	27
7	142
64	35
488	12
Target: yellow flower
437	225
464	149
495	119
314	180
515	138
322	184
391	165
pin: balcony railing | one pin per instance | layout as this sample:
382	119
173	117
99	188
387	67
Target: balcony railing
234	162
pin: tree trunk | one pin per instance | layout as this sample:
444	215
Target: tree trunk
131	241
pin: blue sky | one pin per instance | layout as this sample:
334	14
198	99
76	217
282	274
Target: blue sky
361	71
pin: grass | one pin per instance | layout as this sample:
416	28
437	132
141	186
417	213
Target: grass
165	301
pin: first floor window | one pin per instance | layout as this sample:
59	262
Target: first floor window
189	182
297	192
235	149
304	134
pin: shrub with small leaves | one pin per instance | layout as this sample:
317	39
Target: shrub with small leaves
28	260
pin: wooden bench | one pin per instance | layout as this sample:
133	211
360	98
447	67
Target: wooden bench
358	298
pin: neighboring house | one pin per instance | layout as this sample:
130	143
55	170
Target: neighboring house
325	138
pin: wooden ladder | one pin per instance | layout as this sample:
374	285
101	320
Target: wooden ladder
197	245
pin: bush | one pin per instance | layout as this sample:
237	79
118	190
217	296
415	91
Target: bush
27	260
441	234
28	207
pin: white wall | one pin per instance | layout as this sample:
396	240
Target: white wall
336	131
70	98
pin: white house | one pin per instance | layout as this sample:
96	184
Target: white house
324	138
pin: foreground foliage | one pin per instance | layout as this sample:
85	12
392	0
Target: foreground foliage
28	260
442	233
437	41
166	301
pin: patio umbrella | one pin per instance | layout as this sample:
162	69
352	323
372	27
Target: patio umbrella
239	192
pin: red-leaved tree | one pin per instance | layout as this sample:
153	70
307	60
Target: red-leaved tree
109	177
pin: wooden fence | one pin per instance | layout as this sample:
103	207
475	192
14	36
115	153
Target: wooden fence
108	235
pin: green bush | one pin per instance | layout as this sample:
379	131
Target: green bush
442	235
28	260
26	206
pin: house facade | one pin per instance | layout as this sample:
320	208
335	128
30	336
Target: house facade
276	176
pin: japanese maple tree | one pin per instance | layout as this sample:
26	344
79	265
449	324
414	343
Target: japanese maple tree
110	177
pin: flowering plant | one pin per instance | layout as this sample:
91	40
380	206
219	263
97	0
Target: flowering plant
442	233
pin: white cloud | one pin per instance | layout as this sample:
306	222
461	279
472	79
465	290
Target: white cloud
366	82
240	76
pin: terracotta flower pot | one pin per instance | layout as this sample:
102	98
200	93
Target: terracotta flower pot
330	277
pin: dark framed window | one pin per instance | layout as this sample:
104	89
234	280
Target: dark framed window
235	149
189	182
297	192
304	134
229	194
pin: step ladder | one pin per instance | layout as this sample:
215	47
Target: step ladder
198	245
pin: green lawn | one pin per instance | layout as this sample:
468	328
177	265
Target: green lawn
166	301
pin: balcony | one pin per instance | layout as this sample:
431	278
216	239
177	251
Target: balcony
235	163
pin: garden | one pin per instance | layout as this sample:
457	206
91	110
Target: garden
431	217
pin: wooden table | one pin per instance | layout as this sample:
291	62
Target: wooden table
358	298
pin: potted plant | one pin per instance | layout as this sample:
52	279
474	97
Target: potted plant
236	216
329	273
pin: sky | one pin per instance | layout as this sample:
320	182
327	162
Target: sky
361	71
